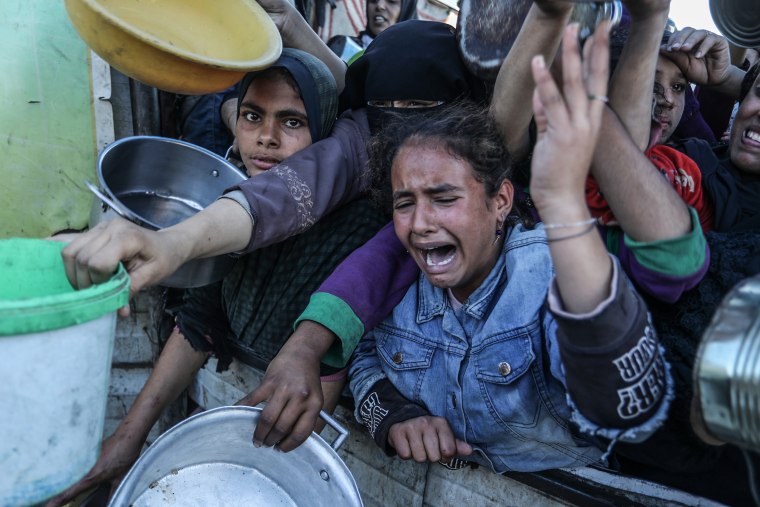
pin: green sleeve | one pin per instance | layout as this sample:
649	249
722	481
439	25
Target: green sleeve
681	256
335	314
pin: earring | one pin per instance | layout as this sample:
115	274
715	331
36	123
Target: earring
499	227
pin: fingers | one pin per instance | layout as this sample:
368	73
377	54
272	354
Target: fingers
697	42
463	448
288	418
426	439
549	97
572	86
76	257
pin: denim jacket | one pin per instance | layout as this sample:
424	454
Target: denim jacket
492	368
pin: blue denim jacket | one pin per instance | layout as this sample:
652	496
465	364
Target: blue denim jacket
493	369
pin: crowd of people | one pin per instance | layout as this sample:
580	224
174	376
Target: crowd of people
514	274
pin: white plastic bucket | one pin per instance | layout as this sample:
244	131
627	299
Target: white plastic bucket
55	360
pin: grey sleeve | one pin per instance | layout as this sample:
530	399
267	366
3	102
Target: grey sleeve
291	197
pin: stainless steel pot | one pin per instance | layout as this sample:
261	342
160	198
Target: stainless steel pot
157	182
727	370
209	459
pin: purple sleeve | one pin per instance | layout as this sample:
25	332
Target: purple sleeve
374	278
292	196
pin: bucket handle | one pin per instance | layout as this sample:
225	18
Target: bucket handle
342	432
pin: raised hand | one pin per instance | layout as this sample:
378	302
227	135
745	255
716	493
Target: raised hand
426	438
702	56
568	120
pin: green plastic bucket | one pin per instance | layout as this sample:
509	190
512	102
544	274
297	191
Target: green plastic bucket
55	357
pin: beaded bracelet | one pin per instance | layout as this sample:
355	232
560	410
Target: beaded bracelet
585	231
571	224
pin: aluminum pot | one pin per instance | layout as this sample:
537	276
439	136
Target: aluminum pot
157	182
209	459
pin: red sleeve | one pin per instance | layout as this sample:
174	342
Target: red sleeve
686	179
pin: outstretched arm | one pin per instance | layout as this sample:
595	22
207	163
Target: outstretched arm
510	105
602	322
150	256
568	128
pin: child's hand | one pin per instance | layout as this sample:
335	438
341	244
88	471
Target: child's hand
701	55
426	438
568	121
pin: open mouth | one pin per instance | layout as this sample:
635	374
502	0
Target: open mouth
439	256
379	19
752	135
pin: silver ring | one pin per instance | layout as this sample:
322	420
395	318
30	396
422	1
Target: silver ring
603	98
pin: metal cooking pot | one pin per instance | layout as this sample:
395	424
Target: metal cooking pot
157	182
727	370
209	459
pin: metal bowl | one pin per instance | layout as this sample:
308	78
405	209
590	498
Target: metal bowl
159	182
181	46
209	459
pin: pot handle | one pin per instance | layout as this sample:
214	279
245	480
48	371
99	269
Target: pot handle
123	213
342	432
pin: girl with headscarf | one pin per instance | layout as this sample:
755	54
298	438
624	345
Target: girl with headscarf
381	14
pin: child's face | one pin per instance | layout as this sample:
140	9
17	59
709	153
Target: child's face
670	96
444	218
272	124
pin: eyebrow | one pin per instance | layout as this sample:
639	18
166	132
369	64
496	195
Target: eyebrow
438	189
284	113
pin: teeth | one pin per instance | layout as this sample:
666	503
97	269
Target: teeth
444	262
752	135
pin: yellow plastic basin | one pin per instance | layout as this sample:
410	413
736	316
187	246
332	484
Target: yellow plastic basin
181	46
